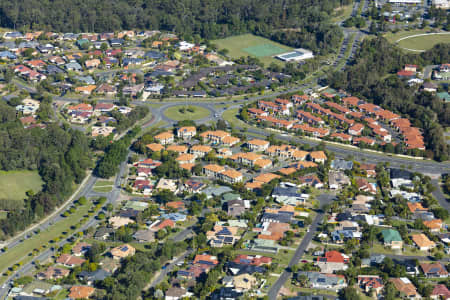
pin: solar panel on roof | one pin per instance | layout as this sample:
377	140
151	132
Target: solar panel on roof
228	239
124	248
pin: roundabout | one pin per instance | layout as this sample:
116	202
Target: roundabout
186	112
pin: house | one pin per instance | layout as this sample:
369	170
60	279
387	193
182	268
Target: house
186	159
422	242
341	164
162	224
104	107
122	251
81	292
144	236
167	184
369	169
356	129
186	132
318	280
311	180
92	63
440	291
364	186
289	195
73	66
213	170
332	261
429	87
118	222
180	149
237	207
222	235
371	283
81	248
434	225
231	176
318	156
91	277
244	282
106	89
405	286
70	260
193	186
200	150
337	179
258	145
392	239
86	90
255	260
215	137
154	147
165	138
176	293
434	270
53	273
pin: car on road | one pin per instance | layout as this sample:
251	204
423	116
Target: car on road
165	266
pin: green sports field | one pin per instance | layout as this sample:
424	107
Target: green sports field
252	45
418	43
14	184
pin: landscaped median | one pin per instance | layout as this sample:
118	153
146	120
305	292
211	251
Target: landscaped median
24	252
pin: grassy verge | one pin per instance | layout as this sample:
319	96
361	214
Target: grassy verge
44	239
103	186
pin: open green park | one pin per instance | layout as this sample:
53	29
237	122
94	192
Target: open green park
186	112
252	45
408	40
15	184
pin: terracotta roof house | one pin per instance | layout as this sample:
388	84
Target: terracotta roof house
231	176
70	260
371	283
155	147
434	225
186	132
318	156
213	170
200	150
86	90
81	292
434	270
422	242
440	291
258	145
165	138
266	177
177	148
405	287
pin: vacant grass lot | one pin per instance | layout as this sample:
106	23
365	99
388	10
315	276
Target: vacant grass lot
181	112
252	45
14	184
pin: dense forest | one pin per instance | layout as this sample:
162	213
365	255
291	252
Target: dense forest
305	20
60	155
368	77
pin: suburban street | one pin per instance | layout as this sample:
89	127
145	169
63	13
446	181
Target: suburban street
286	275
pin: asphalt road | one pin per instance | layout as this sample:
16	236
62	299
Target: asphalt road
439	195
163	273
286	275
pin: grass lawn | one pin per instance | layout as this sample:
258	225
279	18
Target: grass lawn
103	186
342	13
424	42
378	248
417	43
181	112
252	45
21	251
14	184
3	215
